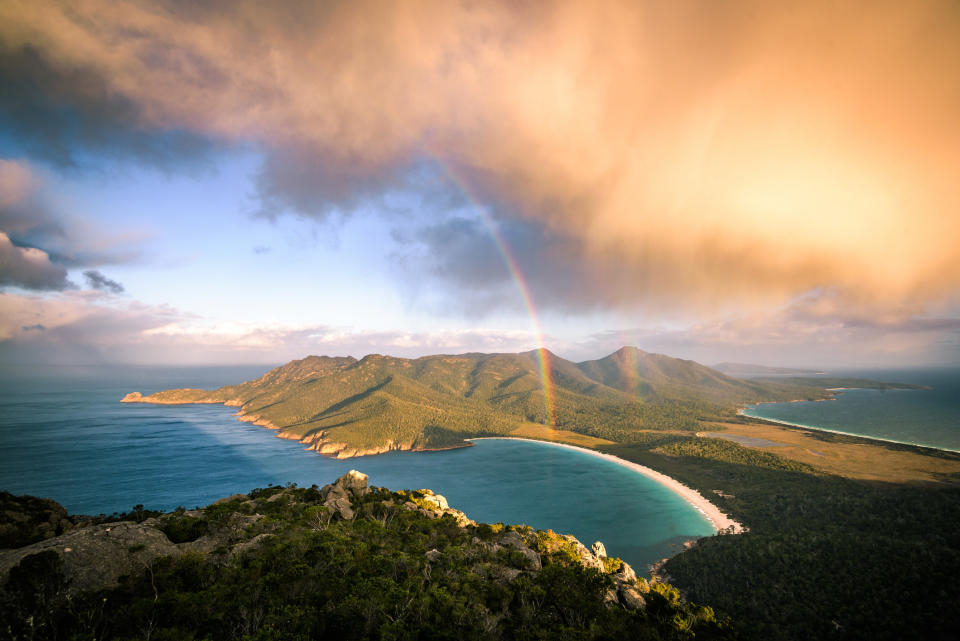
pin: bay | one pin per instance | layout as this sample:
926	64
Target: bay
928	417
65	435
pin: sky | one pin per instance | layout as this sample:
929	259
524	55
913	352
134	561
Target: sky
247	182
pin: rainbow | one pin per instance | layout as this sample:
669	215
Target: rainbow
543	356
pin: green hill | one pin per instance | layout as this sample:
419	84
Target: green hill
346	407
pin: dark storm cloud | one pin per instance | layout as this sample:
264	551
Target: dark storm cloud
98	281
688	155
60	114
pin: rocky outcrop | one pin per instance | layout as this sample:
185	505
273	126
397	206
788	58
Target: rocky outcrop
435	506
598	549
95	557
338	497
513	541
631	598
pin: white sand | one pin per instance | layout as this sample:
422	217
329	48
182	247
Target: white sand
718	520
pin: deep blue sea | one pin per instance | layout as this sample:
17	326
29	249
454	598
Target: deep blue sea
65	435
928	417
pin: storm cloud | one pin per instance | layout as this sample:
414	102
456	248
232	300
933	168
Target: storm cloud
688	155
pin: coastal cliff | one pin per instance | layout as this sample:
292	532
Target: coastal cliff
346	560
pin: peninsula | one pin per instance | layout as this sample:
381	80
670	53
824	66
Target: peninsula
343	407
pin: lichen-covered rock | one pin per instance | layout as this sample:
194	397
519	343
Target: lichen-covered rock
625	574
338	501
354	482
631	598
462	519
95	557
432	501
587	558
514	541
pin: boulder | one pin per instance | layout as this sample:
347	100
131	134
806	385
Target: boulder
338	501
587	558
354	482
512	540
598	550
631	598
625	574
462	519
437	501
95	557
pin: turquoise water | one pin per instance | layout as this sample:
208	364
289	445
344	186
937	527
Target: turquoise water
66	436
929	417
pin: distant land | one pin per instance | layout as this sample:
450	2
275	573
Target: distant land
750	370
344	407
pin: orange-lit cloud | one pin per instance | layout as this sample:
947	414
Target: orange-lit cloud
696	153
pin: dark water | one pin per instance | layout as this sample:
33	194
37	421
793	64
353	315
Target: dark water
66	436
928	417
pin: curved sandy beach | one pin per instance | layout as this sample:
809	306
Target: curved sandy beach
720	521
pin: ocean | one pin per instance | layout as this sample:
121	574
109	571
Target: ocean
65	435
929	417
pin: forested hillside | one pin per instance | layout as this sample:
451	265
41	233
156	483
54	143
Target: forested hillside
347	407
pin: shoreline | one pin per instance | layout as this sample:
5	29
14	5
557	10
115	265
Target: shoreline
720	522
742	412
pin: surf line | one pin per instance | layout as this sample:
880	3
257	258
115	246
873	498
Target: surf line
542	354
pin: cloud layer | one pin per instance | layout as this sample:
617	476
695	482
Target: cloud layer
88	326
683	155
